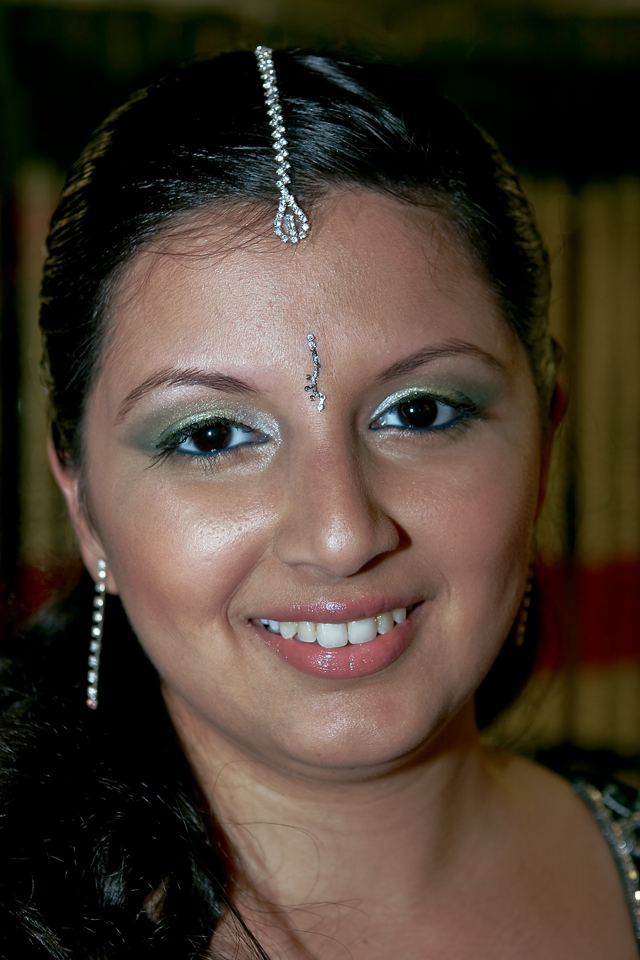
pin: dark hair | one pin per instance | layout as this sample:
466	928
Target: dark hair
108	811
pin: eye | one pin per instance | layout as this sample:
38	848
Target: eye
421	412
215	437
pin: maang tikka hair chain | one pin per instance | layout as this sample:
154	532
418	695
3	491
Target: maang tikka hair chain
95	645
291	221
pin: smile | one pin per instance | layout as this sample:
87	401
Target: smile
331	635
343	651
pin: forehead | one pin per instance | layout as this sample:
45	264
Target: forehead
371	267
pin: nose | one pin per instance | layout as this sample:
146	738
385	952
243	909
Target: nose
332	522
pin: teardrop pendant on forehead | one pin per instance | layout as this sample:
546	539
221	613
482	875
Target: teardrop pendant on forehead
291	222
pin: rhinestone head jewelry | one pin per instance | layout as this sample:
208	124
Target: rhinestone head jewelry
291	221
95	644
312	388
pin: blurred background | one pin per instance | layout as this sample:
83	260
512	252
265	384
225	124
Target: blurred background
557	83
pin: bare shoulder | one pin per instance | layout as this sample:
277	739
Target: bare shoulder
537	789
570	864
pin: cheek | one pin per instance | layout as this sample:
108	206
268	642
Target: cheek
472	530
475	509
178	552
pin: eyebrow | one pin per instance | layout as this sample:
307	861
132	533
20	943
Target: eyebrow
448	348
175	377
192	377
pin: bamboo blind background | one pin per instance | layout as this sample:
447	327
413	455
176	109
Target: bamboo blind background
589	534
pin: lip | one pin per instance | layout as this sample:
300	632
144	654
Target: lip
335	611
342	663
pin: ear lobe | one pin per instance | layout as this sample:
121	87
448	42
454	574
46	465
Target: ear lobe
91	547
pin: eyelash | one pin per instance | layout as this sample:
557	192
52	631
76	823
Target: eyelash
170	446
465	409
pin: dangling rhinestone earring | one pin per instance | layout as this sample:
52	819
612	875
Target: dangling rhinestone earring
523	616
97	626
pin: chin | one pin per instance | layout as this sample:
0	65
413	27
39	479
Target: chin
356	748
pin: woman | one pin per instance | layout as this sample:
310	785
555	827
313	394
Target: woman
308	473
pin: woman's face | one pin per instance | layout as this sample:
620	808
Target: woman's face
221	497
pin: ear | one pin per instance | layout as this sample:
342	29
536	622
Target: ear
91	547
559	404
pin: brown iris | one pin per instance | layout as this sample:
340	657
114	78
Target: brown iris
418	412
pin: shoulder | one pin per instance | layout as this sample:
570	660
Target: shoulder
576	831
609	786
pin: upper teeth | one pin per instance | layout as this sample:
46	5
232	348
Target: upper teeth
337	634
